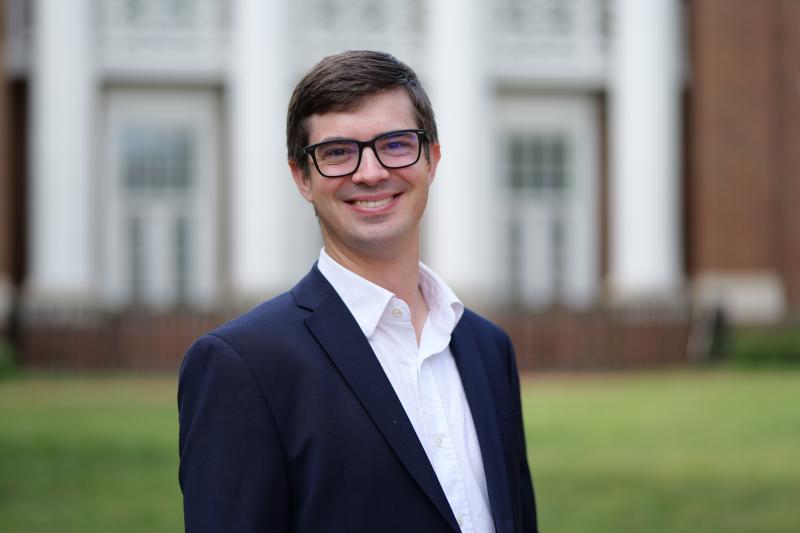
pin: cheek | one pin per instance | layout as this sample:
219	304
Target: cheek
424	179
323	192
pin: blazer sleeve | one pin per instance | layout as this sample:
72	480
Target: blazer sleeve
232	469
529	523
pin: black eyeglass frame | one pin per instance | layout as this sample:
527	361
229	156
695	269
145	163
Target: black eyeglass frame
311	149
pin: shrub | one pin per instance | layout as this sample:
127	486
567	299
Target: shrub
6	358
772	347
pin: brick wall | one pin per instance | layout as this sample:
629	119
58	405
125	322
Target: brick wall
789	146
112	341
597	340
734	131
745	139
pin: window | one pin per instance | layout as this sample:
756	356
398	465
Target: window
161	211
550	239
538	178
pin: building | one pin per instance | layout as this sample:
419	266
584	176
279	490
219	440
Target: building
614	170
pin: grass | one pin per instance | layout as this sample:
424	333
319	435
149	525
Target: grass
670	452
676	452
85	455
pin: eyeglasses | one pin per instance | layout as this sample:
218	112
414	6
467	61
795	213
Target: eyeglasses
341	157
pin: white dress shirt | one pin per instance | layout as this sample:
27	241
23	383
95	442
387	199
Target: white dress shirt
425	379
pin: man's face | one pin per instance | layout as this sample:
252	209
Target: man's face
375	212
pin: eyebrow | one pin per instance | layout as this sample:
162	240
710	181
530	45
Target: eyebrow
339	138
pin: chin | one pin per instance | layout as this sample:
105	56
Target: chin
379	242
376	243
375	238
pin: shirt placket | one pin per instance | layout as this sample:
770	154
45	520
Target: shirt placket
440	446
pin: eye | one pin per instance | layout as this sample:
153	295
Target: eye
333	152
398	143
336	151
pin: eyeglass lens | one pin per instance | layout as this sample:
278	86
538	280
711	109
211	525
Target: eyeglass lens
393	150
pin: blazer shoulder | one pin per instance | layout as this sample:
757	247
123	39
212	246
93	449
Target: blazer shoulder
493	343
277	326
270	311
483	327
263	325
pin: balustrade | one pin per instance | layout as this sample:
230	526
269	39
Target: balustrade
530	40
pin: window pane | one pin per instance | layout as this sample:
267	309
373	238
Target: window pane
515	155
537	163
157	159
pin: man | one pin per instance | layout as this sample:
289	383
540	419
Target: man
366	399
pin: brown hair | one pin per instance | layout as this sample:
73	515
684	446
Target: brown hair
342	82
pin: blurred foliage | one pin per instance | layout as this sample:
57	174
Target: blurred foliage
772	347
7	359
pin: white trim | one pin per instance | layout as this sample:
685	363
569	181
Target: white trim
754	296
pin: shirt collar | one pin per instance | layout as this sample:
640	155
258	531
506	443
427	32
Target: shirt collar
365	300
444	307
368	301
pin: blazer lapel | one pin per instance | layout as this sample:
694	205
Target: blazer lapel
479	397
336	330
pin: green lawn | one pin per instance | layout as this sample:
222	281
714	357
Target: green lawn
88	455
671	452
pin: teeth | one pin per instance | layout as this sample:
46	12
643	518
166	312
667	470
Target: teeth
372	204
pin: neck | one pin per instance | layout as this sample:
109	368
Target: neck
395	272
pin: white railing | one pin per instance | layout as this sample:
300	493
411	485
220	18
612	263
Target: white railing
322	27
137	36
530	40
156	35
552	39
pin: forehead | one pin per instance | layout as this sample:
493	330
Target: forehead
385	111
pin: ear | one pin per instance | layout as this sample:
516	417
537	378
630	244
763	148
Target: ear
433	161
302	180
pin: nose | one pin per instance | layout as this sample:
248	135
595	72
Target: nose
369	171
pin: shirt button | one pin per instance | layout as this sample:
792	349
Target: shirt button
460	520
438	440
397	313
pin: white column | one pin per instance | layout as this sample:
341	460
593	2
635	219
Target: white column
262	191
461	227
645	240
62	113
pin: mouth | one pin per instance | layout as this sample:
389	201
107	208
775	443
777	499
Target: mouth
373	204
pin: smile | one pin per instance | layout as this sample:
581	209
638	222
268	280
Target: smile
373	204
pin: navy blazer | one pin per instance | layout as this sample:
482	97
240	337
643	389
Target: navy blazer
288	423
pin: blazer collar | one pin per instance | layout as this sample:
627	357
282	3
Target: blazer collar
312	290
336	330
